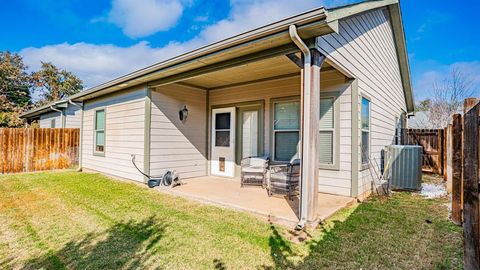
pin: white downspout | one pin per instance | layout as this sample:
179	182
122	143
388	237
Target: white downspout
75	104
61	114
306	89
53	109
80	152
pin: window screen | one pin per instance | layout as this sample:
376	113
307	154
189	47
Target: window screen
327	130
286	145
100	131
365	124
286	129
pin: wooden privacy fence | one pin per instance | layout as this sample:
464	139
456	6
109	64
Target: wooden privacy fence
432	142
462	159
38	149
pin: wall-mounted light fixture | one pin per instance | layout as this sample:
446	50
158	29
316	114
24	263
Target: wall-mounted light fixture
183	113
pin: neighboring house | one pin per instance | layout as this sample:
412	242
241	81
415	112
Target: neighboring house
60	114
252	95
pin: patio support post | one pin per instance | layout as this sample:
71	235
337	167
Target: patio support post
310	127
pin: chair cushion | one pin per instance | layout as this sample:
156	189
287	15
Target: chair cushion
258	162
253	170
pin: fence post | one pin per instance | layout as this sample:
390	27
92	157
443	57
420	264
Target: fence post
444	152
441	151
457	187
448	157
470	189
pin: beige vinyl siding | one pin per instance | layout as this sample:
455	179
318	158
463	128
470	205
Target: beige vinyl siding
176	145
46	119
330	181
124	133
365	48
339	181
73	116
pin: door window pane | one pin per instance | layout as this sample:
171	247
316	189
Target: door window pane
222	138
287	115
222	121
286	145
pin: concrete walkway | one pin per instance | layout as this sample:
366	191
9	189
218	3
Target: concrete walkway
228	193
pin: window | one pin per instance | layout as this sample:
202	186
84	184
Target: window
365	125
100	131
222	129
52	123
286	129
327	131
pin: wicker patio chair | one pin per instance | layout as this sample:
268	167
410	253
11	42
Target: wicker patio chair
254	171
284	179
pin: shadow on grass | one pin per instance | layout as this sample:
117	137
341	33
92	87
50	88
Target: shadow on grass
378	234
280	250
124	245
218	264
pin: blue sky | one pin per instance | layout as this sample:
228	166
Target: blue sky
102	39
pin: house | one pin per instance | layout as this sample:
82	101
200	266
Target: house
336	79
60	114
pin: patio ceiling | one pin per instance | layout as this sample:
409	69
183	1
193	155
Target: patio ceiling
270	68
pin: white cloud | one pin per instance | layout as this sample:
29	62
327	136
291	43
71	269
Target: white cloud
96	64
248	14
140	18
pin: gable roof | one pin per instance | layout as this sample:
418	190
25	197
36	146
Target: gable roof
266	41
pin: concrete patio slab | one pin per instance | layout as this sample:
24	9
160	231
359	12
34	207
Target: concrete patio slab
227	192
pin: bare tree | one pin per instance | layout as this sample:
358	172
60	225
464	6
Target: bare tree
448	96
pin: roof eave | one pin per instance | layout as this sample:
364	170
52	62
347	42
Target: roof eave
43	109
401	46
307	22
335	14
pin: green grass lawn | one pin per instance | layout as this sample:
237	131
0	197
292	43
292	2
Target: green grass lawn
74	220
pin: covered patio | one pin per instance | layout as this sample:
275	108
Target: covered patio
266	103
226	192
